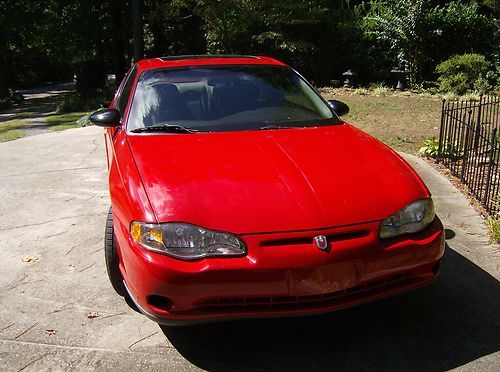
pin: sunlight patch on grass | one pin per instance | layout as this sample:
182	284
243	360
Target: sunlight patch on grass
66	121
402	122
494	227
11	130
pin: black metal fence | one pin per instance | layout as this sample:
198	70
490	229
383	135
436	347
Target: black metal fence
469	145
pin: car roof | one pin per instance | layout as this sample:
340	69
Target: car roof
205	60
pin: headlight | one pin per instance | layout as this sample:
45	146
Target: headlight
411	219
185	241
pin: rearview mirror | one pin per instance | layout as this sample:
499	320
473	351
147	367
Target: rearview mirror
106	118
340	108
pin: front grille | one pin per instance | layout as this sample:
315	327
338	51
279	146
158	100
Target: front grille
243	304
332	238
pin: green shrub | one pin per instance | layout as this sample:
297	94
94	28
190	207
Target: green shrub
380	89
76	103
471	96
5	103
430	148
361	91
463	73
451	96
335	83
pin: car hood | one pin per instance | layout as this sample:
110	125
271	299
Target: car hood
273	180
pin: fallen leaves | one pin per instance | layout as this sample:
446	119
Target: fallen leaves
92	315
29	259
50	332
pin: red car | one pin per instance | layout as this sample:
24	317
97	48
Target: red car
237	191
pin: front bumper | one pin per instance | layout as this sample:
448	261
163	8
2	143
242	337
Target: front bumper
283	274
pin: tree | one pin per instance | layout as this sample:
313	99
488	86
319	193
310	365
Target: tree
419	35
399	25
176	28
138	32
117	32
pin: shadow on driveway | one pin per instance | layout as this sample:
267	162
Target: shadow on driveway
454	321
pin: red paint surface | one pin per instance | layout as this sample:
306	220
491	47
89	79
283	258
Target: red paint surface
267	186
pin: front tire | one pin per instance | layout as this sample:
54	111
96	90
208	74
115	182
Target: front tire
111	257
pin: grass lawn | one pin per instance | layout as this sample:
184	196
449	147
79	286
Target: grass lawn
494	228
69	120
11	130
17	126
401	120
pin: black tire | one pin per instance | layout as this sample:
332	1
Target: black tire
111	257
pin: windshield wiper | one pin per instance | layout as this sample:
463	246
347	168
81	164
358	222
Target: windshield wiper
167	128
273	126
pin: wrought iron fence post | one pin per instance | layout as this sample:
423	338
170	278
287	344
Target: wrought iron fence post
466	142
478	123
441	130
490	167
466	146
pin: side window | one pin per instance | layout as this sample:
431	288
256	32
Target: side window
125	93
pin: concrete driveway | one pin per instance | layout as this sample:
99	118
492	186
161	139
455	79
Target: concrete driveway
58	311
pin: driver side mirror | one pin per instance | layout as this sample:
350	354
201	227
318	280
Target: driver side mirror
340	108
106	118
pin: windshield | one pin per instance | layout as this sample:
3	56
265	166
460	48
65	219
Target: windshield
226	98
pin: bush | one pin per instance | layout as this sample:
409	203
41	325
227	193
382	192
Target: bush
430	148
455	28
8	101
5	103
335	83
380	89
463	73
15	97
76	103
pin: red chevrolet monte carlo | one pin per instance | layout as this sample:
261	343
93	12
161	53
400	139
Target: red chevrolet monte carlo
237	191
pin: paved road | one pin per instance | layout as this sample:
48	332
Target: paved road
54	204
38	104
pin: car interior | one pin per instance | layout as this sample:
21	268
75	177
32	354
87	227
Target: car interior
208	100
205	97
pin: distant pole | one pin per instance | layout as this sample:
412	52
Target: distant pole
135	8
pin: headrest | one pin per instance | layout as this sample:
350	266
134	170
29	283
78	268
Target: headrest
167	91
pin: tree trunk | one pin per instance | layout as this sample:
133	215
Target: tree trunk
4	88
138	36
119	63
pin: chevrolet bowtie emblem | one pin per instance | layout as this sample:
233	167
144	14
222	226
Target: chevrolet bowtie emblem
321	242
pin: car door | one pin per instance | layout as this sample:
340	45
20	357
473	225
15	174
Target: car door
119	102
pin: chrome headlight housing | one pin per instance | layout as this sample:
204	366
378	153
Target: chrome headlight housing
185	241
411	219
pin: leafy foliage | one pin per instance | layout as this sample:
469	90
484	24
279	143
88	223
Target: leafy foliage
308	35
430	148
51	40
463	73
5	103
399	25
89	77
418	34
77	103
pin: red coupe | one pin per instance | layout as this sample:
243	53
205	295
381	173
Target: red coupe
237	191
